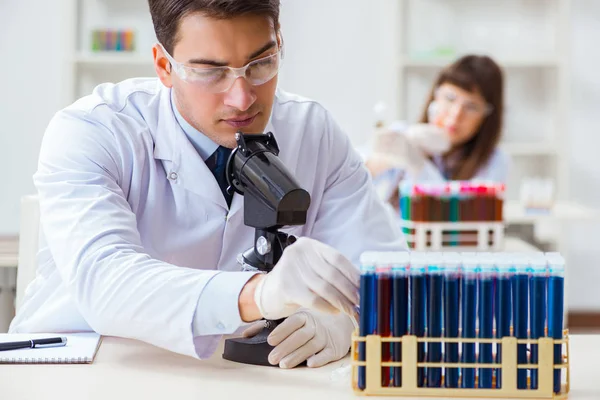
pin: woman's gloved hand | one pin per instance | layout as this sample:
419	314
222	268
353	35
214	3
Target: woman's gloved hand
408	148
307	335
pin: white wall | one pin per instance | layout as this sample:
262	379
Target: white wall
33	45
584	138
338	52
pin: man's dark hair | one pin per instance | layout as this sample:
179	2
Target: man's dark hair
167	14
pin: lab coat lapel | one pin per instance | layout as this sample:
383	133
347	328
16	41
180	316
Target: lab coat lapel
183	164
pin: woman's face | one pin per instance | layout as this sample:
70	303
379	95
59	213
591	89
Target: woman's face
459	112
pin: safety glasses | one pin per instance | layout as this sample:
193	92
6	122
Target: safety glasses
220	79
446	99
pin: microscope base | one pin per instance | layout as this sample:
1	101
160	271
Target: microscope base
254	350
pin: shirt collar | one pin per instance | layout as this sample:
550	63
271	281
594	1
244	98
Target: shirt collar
203	145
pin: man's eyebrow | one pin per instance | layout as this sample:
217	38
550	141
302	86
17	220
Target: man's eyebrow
266	47
218	63
204	61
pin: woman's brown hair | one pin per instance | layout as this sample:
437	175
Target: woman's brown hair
475	74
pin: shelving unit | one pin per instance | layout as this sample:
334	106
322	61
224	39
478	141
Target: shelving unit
92	59
509	63
528	39
88	68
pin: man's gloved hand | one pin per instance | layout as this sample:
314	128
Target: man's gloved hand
307	335
309	274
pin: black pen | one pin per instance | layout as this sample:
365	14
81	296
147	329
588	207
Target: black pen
34	343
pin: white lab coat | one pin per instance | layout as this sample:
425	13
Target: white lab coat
139	241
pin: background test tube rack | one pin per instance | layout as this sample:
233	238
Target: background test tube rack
454	236
508	367
453	216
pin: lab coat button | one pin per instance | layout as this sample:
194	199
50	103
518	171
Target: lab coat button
173	176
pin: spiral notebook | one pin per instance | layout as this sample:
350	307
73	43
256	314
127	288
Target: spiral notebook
81	348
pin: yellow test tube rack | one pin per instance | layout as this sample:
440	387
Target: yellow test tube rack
545	366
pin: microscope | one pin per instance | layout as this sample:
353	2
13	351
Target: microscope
272	199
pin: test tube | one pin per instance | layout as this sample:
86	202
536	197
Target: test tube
521	308
434	317
503	306
500	202
368	295
384	303
468	308
451	274
556	293
399	309
405	200
487	273
418	301
454	193
538	301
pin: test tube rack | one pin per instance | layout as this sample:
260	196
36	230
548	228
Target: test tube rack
373	367
453	236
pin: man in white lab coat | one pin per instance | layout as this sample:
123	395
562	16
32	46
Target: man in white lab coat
140	239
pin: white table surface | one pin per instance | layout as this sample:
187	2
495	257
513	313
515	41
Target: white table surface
561	211
127	369
516	245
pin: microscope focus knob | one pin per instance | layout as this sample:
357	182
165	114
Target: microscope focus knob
263	246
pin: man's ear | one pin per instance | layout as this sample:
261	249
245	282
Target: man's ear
162	66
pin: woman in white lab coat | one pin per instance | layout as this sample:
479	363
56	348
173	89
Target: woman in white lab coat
457	136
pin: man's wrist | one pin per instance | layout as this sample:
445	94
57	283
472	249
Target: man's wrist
248	308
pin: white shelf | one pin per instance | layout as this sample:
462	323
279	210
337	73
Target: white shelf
514	213
440	62
108	58
530	149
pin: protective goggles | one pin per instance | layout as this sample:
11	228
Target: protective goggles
220	79
447	99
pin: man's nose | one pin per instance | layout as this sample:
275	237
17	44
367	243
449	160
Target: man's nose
240	95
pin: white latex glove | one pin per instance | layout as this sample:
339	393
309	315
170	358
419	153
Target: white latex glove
431	139
312	336
408	149
309	274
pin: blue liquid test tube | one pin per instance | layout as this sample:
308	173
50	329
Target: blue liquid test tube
486	274
434	317
399	309
556	298
503	306
368	296
384	312
468	309
538	311
451	315
418	303
521	307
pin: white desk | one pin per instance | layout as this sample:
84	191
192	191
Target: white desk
126	369
516	245
514	213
